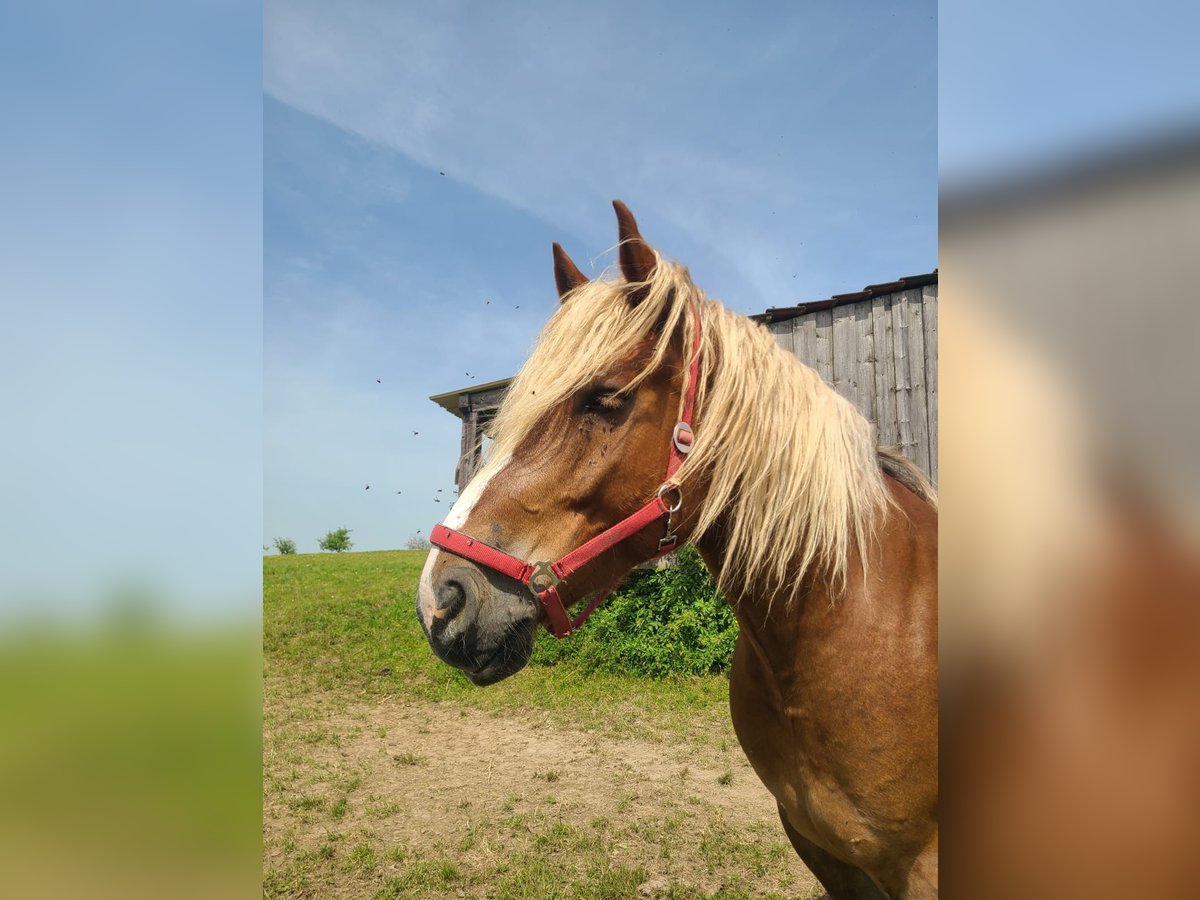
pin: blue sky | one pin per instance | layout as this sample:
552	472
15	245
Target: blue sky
783	152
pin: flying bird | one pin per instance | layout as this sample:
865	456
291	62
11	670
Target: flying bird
379	381
367	488
441	173
439	490
399	492
416	432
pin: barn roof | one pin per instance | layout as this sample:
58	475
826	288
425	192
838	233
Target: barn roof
449	401
779	313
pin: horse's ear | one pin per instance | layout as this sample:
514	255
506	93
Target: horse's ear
567	276
637	259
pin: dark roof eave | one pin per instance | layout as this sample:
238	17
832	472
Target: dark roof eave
908	282
449	400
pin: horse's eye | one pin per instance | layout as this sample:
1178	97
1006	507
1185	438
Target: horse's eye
603	399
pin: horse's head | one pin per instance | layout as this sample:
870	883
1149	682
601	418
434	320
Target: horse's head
582	441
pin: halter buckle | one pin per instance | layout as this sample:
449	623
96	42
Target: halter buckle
543	569
683	446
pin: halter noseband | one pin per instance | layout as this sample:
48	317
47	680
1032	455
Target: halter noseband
544	578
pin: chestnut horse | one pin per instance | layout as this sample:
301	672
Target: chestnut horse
825	546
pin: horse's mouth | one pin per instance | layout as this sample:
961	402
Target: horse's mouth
480	669
485	676
507	659
497	667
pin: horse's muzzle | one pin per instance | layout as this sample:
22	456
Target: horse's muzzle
476	627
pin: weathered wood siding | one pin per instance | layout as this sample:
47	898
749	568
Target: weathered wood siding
478	410
881	355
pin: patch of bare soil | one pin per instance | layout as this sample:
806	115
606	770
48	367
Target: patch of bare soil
440	782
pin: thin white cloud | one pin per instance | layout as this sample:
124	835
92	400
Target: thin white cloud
556	108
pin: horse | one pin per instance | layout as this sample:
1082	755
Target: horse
824	544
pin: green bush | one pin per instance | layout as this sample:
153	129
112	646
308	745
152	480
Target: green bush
336	541
285	546
664	622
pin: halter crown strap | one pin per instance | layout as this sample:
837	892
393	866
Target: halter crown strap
535	575
682	435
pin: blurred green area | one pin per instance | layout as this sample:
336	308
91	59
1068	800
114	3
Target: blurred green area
131	760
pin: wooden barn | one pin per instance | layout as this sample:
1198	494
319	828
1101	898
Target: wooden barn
877	347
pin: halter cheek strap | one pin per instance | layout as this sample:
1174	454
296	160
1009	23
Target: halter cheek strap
544	578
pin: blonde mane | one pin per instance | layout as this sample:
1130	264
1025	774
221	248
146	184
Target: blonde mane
791	466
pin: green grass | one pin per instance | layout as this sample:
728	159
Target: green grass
347	622
563	864
408	758
362	860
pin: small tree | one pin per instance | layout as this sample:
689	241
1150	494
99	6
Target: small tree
336	541
285	546
418	542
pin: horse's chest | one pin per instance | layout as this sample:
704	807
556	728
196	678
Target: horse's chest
763	727
782	740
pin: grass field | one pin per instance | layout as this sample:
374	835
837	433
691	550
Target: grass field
387	774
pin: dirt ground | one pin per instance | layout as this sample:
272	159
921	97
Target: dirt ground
377	799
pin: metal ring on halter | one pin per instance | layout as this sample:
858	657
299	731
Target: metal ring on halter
680	428
668	486
540	569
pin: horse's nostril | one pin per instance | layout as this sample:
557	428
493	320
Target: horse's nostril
450	600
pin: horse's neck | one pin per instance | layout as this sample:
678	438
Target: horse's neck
780	624
771	620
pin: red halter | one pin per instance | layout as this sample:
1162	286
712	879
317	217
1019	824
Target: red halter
544	578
